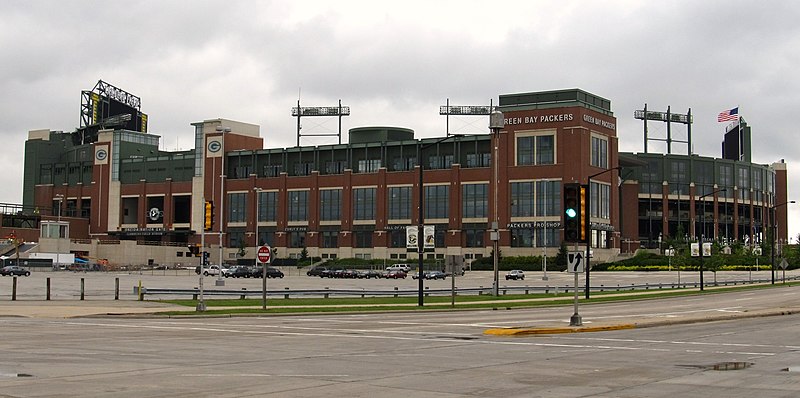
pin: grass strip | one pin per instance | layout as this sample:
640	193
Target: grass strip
373	304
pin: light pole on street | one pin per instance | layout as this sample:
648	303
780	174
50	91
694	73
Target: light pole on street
60	199
496	123
774	237
703	235
588	217
223	130
421	218
258	244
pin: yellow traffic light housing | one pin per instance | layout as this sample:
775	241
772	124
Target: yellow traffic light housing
209	216
584	216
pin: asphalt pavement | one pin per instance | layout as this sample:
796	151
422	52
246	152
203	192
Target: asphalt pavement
133	308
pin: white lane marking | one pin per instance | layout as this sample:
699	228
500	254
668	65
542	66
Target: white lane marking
681	342
493	324
259	375
385	337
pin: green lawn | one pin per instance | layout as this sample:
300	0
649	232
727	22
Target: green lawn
355	304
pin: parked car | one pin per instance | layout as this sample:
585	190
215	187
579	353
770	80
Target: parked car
258	272
435	275
515	274
316	271
402	267
431	275
238	272
395	274
14	270
350	274
367	274
211	270
327	273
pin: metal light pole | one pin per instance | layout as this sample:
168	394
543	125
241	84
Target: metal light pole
421	219
544	241
421	232
258	244
496	123
588	227
201	304
774	237
223	130
704	209
60	199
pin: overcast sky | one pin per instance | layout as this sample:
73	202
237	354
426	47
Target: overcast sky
396	63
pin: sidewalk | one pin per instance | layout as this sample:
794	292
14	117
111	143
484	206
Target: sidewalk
106	308
76	308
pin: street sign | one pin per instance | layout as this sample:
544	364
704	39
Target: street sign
784	264
575	262
264	254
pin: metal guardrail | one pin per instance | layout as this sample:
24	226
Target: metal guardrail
503	290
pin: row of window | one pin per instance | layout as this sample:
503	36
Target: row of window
527	199
748	224
705	174
472	236
537	149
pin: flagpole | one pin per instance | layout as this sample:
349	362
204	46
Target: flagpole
741	133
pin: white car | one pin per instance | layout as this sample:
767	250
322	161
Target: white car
399	267
515	274
212	270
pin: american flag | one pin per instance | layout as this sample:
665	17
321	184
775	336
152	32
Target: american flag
728	115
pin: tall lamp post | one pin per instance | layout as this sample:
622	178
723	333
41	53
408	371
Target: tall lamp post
201	304
60	199
703	235
496	123
588	217
774	237
421	219
223	130
258	244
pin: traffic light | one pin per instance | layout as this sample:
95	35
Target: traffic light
209	216
572	212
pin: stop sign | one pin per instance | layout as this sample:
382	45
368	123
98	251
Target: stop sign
264	254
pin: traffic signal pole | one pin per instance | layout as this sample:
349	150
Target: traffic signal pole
201	304
572	233
586	218
587	231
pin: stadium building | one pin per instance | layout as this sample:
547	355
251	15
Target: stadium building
106	191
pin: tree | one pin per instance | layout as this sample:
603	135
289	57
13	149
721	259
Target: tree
304	253
561	257
680	234
242	251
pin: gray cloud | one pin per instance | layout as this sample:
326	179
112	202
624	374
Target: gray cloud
394	64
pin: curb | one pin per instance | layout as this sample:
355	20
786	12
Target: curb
521	331
556	330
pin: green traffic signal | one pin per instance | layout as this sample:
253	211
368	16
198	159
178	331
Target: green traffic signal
572	212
